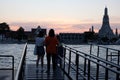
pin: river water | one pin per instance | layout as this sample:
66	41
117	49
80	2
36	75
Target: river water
16	51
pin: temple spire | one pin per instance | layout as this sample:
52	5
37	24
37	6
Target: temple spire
106	11
106	30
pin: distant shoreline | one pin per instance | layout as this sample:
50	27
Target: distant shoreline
30	42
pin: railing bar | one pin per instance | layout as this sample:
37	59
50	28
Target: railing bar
101	64
100	59
105	66
99	46
110	48
110	57
117	75
88	69
77	65
106	70
113	55
6	56
85	62
69	62
103	60
64	58
78	68
10	68
118	57
6	69
108	62
18	74
90	49
97	71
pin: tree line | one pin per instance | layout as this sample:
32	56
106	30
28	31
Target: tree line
7	33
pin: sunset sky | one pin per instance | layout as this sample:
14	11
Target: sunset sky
61	15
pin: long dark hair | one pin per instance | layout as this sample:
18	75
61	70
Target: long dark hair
40	34
51	33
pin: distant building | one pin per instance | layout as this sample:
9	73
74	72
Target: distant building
33	33
71	38
89	36
36	30
106	30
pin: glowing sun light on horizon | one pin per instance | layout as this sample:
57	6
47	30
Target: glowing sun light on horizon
14	28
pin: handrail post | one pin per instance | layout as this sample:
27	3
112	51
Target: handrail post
69	62
97	72
64	58
111	56
117	75
89	62
13	68
118	58
77	66
88	69
90	59
85	62
90	49
106	70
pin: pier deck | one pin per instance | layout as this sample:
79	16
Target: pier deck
32	73
5	75
75	65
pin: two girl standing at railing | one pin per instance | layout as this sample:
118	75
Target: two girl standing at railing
51	43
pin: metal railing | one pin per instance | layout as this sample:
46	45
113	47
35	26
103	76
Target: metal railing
21	67
110	53
115	55
79	65
88	66
12	63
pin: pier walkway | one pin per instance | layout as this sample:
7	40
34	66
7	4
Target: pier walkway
75	65
31	73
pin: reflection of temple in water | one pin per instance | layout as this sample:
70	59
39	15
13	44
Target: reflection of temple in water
105	30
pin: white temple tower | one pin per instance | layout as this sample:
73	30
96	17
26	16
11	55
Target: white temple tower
105	30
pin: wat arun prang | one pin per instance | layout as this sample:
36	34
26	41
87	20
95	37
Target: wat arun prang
106	30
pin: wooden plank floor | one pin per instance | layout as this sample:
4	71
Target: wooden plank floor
32	73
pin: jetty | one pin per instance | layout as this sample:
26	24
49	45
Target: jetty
74	65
